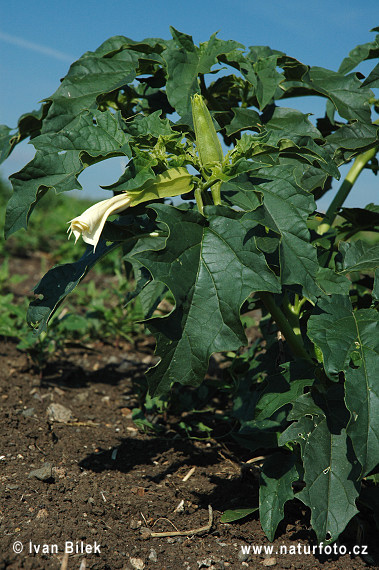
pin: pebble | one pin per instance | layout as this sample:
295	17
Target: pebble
28	413
43	473
81	397
42	514
59	413
242	556
145	533
125	366
137	563
269	561
206	563
153	555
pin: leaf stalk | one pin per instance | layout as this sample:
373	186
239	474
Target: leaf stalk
294	341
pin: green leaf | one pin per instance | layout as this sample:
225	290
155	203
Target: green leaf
372	80
284	388
278	473
268	79
262	434
338	330
60	158
330	490
88	78
362	400
353	137
5	142
350	99
211	265
59	282
236	514
307	414
286	208
286	122
349	341
244	119
93	132
359	256
185	61
332	282
360	53
375	291
360	219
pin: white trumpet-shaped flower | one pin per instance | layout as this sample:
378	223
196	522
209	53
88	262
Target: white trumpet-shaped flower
90	224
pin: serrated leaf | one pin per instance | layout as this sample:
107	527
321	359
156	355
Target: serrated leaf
90	76
372	80
286	122
285	210
244	119
287	207
330	490
342	333
284	388
338	330
268	79
359	256
361	219
353	137
59	161
5	142
332	282
349	98
185	61
210	265
59	282
360	53
375	291
150	126
362	400
94	132
275	489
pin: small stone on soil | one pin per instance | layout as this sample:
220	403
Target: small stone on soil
28	413
153	555
43	473
269	561
137	563
59	413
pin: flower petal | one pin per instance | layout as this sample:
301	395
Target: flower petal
90	224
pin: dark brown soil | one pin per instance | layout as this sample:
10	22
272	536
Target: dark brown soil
106	482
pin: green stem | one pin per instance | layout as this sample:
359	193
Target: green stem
216	193
343	192
199	200
295	342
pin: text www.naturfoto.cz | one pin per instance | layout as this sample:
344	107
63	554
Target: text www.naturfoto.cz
327	549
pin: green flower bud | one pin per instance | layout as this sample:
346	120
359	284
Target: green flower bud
207	142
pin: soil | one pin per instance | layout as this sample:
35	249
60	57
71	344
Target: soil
77	475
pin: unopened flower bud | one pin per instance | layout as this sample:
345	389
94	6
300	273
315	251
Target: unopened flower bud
207	142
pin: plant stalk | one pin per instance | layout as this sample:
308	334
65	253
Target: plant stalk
344	190
295	342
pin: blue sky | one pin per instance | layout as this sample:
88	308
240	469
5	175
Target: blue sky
38	41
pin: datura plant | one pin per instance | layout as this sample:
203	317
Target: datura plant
217	207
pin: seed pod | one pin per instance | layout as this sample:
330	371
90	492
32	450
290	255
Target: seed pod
207	142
